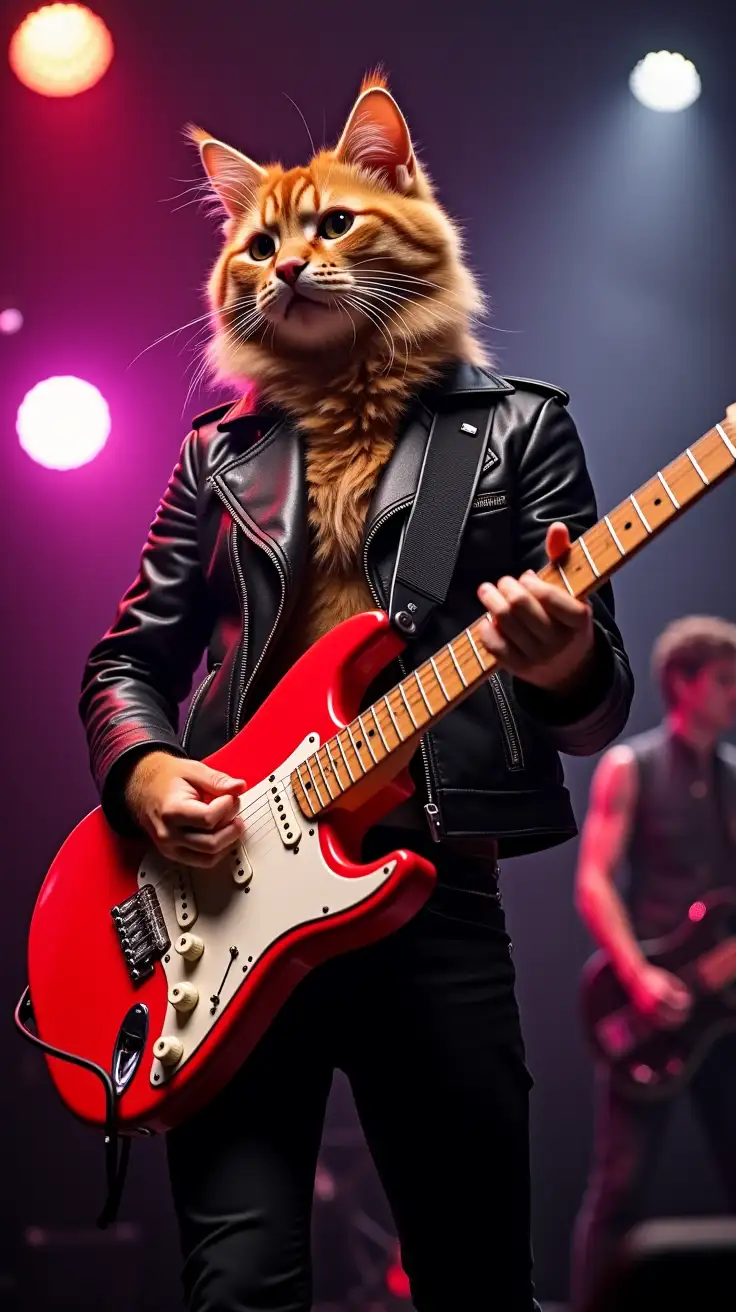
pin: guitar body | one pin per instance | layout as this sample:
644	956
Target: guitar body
650	1062
291	896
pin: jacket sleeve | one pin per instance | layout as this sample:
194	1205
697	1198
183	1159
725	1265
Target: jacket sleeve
553	484
142	668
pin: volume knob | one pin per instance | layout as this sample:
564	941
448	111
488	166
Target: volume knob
184	997
189	947
168	1050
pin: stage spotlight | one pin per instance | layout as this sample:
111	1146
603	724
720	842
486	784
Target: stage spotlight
665	81
60	50
11	321
63	422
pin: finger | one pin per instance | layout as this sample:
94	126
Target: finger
191	813
526	606
214	782
518	617
557	543
557	603
188	856
223	838
506	652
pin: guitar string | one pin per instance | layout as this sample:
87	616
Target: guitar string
414	699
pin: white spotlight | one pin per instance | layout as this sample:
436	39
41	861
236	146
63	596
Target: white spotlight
665	81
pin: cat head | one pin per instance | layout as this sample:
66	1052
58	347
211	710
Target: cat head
350	253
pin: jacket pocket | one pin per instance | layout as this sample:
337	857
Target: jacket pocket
512	749
195	703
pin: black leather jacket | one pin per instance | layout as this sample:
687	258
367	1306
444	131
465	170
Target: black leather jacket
221	571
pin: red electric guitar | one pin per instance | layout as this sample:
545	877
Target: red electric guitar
165	977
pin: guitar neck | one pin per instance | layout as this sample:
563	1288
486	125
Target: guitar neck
396	722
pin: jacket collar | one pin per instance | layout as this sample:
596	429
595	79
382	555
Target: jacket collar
267	478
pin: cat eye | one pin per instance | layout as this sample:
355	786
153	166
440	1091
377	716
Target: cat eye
262	247
335	224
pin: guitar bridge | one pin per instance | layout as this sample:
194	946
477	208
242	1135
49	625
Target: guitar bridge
141	931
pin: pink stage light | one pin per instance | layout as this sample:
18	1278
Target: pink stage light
11	321
60	50
63	422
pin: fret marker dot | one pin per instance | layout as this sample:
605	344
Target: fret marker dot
627	525
359	744
657	501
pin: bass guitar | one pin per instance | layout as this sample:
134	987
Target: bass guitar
647	1060
158	980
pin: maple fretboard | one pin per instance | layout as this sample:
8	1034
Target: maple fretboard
399	719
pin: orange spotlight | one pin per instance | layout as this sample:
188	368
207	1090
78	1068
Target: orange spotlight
60	50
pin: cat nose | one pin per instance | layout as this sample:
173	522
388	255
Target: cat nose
288	270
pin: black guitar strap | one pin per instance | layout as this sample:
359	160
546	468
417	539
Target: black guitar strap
429	547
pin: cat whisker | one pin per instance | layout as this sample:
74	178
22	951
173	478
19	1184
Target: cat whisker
374	315
389	275
200	318
394	299
304	121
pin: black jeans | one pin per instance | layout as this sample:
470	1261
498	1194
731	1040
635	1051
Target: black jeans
425	1026
628	1139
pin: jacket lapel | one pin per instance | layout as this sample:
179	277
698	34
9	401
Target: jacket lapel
268	487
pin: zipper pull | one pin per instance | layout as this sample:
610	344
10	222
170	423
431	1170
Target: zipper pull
432	812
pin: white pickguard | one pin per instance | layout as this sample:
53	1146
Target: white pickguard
290	886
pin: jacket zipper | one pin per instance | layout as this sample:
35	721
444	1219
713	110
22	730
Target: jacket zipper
431	809
512	740
242	523
194	703
488	500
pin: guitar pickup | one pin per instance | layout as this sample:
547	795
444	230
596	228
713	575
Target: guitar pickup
284	815
185	907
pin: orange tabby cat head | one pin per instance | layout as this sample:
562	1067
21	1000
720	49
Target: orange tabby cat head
349	254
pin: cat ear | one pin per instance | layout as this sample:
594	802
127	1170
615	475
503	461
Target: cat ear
376	137
234	177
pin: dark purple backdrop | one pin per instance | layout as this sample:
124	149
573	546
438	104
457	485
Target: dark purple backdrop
603	234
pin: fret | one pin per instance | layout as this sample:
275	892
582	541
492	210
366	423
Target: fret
460	674
367	737
564	577
668	489
314	782
427	702
332	763
726	440
589	558
306	788
408	707
394	721
349	733
328	769
476	653
612	531
325	780
443	689
447	676
345	759
637	508
713	456
696	466
377	722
